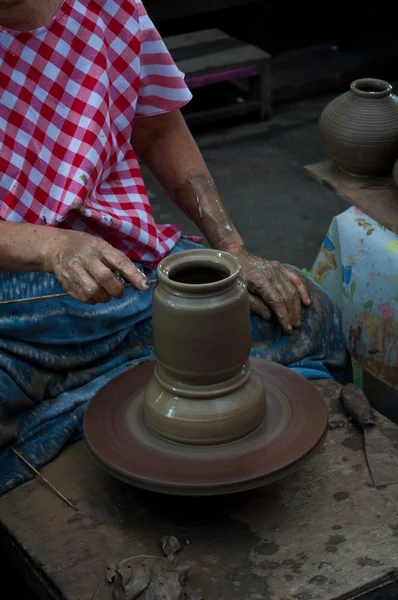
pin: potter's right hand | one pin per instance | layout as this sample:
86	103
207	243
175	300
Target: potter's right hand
85	266
273	289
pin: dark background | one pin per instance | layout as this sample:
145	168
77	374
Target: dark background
278	26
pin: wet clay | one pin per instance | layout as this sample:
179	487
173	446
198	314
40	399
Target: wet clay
359	129
204	390
117	436
198	197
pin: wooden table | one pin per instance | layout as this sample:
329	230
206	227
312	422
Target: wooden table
375	196
324	533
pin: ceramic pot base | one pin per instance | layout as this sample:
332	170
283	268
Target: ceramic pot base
116	434
205	415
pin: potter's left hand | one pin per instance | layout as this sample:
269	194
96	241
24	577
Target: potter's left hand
273	288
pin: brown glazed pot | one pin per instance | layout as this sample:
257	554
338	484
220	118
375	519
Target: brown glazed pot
359	129
204	390
395	173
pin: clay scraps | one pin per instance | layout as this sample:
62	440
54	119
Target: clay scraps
148	577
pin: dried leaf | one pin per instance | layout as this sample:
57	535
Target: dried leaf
121	580
191	595
166	585
149	578
170	545
183	570
110	573
140	579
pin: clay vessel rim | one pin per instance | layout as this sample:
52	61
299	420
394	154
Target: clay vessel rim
382	87
199	257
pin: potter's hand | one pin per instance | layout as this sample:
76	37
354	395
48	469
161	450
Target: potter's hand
85	265
273	289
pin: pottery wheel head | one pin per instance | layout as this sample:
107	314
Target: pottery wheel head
117	436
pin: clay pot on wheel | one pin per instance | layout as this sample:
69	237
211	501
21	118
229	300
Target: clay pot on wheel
204	390
395	173
359	129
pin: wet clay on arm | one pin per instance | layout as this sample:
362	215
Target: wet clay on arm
165	144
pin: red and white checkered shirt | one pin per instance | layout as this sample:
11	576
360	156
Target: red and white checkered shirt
69	93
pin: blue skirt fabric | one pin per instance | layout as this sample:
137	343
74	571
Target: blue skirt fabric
56	354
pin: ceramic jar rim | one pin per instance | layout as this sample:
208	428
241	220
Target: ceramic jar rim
207	257
382	88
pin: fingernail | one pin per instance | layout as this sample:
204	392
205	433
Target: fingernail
289	328
145	284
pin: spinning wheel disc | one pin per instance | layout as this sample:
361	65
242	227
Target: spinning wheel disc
116	434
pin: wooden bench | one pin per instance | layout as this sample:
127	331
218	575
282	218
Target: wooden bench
211	56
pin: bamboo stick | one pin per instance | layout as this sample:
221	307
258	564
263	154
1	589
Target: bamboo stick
36	472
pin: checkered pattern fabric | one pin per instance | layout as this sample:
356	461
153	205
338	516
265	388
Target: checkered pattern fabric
69	93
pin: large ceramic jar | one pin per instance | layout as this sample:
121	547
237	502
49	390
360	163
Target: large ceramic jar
359	129
204	389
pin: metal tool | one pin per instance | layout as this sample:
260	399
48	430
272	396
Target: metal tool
382	455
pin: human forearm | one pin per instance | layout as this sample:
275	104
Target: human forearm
24	247
168	149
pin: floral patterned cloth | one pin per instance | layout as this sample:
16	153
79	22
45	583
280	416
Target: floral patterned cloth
358	266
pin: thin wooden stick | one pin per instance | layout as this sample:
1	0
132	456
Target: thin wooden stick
54	489
63	294
3	302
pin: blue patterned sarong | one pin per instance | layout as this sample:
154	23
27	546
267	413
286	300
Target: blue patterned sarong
56	354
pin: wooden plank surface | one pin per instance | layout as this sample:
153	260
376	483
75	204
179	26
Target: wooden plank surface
210	50
375	196
226	60
324	533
